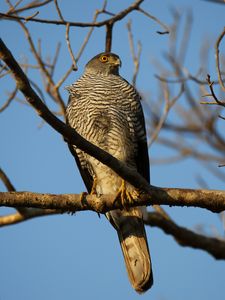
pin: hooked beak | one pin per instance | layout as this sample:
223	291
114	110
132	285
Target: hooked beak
118	62
115	61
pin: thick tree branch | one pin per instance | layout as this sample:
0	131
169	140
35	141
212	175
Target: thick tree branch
186	237
209	199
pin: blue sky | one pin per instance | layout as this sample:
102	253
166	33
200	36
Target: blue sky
79	257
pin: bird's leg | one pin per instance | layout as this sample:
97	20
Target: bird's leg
83	196
93	189
124	195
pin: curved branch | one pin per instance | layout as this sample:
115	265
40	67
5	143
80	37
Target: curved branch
186	237
31	213
112	20
218	59
5	179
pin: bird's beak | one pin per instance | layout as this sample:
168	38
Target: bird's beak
115	61
118	62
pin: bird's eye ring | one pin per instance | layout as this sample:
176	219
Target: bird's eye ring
104	58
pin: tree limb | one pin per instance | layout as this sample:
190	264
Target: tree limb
209	199
112	20
186	237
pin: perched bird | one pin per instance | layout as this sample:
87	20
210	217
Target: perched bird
106	110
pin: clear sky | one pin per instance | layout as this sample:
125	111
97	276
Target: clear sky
79	257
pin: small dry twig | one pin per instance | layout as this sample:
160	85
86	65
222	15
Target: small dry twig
69	47
218	59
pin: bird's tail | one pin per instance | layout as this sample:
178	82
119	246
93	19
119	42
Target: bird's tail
131	232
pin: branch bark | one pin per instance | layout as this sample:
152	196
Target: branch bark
112	20
209	199
186	237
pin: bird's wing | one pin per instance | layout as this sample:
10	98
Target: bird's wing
142	157
80	158
83	166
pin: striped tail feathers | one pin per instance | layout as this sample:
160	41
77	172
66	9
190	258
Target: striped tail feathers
131	232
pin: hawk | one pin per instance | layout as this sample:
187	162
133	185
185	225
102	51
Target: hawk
106	110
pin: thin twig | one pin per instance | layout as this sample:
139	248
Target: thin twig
64	77
13	7
54	61
167	107
218	59
31	17
30	214
32	5
9	100
136	58
58	10
5	179
210	83
69	47
114	19
165	27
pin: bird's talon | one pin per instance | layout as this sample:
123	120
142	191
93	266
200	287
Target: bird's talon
93	189
82	196
124	195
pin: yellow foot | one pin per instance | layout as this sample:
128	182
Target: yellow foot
124	195
83	196
93	189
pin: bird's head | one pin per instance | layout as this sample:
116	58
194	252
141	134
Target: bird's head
104	63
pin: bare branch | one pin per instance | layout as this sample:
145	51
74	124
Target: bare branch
166	29
212	200
168	104
108	40
186	237
12	7
31	213
218	59
210	83
9	100
114	19
69	47
5	179
33	4
58	10
136	58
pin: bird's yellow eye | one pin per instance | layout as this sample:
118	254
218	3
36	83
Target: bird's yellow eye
104	58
